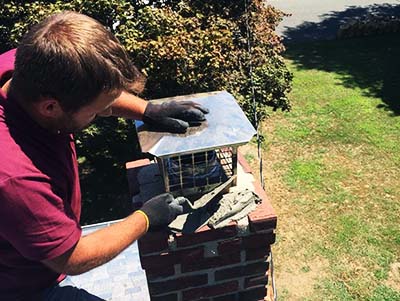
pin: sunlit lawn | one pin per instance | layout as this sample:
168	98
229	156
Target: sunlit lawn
332	169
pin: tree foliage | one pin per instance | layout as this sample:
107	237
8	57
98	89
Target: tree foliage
183	47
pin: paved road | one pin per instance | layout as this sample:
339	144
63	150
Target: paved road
320	19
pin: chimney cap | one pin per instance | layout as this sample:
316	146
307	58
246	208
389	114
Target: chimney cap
225	125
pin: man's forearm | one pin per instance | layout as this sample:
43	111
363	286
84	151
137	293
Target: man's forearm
100	247
129	106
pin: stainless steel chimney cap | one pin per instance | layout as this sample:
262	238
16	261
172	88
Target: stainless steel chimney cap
226	125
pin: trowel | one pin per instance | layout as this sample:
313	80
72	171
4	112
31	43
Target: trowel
196	214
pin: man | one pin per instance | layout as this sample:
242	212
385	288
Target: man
68	69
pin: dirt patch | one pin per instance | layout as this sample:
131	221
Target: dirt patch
296	281
297	271
394	276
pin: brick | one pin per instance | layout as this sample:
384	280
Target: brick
156	273
172	257
132	170
260	267
152	247
207	234
260	253
210	291
243	162
169	297
254	294
257	268
211	262
231	297
137	163
262	225
177	284
255	281
264	216
229	246
258	240
153	242
155	236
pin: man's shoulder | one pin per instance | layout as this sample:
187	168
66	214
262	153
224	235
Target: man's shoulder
15	166
13	160
6	65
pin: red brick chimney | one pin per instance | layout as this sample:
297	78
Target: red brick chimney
226	264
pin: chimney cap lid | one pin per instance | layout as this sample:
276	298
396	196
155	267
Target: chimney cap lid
225	125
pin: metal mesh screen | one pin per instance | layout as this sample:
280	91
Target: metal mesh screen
198	172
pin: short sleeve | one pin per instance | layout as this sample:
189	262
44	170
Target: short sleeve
37	222
7	63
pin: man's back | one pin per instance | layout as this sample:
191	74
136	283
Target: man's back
39	200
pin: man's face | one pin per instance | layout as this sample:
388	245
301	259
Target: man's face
77	121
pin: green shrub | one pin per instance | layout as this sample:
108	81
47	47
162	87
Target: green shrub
183	47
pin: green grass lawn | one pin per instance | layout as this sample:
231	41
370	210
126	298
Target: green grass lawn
332	169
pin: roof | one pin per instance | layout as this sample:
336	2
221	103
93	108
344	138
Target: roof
122	278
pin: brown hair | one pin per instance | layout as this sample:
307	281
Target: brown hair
72	58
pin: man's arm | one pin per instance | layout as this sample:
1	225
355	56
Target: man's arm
170	116
103	245
99	247
129	106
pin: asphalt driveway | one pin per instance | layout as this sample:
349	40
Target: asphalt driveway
316	19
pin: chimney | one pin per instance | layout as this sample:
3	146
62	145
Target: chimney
198	262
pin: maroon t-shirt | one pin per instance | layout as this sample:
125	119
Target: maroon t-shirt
40	198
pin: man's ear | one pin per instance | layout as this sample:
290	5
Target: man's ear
49	107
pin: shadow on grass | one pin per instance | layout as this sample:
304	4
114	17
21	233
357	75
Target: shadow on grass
103	150
331	22
370	63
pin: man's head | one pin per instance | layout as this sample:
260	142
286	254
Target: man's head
71	60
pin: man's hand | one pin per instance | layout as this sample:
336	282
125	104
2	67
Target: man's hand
161	210
174	116
91	251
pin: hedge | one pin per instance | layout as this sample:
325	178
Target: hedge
183	47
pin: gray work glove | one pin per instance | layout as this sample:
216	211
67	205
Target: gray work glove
161	210
173	116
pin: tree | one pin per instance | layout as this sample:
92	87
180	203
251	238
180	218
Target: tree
183	47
